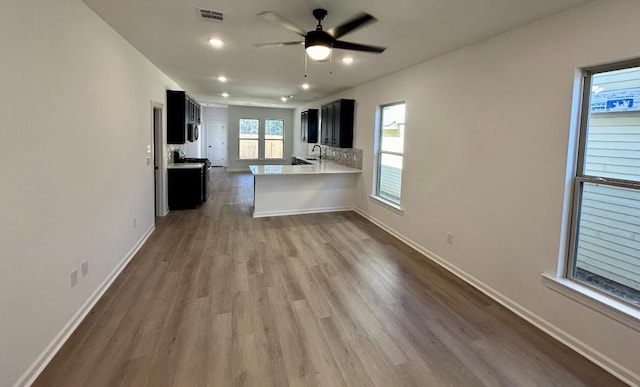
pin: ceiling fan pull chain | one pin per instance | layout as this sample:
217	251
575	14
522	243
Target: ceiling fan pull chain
331	62
305	65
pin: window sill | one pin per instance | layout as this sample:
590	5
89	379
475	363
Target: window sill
388	204
595	300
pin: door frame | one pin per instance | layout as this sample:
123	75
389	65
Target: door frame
157	157
226	140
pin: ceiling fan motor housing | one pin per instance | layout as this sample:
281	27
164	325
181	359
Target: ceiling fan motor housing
315	38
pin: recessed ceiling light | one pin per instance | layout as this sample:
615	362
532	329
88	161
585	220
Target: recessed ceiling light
283	99
305	86
222	78
347	60
225	95
216	42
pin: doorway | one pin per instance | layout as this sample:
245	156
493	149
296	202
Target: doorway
215	143
158	175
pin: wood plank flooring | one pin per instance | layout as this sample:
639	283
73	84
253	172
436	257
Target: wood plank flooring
217	298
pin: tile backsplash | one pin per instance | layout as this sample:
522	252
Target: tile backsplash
351	157
170	149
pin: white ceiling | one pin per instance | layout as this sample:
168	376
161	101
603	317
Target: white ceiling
174	37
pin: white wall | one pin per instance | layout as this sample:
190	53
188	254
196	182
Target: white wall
194	148
235	113
76	108
488	128
215	114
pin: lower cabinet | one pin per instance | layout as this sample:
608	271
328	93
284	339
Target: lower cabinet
185	188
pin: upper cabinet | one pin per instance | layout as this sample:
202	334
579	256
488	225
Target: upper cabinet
309	125
336	120
182	111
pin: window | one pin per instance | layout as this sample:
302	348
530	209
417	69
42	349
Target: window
390	148
253	143
605	229
273	139
249	138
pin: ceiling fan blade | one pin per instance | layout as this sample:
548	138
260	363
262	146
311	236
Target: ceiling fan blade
278	44
276	18
350	25
357	47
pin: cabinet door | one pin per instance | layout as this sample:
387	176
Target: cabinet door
345	137
337	111
184	188
187	110
312	126
176	111
326	114
304	125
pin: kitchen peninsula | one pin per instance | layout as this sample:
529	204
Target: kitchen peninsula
322	186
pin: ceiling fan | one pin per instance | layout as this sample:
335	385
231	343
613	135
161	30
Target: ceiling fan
319	43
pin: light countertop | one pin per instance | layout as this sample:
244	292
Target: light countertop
185	165
321	167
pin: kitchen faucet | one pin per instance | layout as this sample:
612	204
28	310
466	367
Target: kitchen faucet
314	148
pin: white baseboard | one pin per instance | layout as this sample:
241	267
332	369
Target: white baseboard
32	373
263	214
585	350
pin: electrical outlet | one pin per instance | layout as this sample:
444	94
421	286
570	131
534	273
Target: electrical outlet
450	238
74	278
135	222
85	268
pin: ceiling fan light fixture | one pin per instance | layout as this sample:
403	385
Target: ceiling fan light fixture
318	44
318	52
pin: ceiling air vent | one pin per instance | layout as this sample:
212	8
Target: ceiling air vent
211	15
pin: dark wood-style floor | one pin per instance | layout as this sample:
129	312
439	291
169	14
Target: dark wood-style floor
217	298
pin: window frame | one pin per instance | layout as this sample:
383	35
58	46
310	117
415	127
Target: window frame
248	139
397	206
580	178
264	139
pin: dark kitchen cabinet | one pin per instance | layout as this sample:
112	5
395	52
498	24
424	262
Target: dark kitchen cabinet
309	125
336	120
182	110
326	124
186	188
